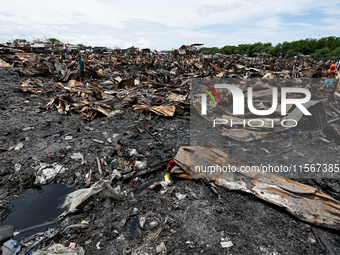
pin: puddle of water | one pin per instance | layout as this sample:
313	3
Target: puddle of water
37	206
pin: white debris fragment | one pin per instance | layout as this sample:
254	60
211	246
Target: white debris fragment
27	128
106	136
264	149
97	141
140	165
47	172
68	137
226	244
77	155
18	146
116	174
133	152
17	167
180	196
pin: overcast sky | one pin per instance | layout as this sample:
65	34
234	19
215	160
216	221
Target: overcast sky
166	25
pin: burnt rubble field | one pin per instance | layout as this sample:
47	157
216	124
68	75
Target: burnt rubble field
113	140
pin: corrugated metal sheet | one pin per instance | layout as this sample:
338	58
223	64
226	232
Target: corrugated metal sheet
318	115
302	201
296	114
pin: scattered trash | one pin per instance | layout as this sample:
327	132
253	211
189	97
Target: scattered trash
139	165
106	136
167	177
97	246
226	244
19	146
120	179
47	172
156	234
60	249
77	155
78	197
27	128
97	141
116	174
161	249
17	167
133	152
11	247
180	196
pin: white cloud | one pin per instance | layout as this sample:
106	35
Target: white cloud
166	24
62	28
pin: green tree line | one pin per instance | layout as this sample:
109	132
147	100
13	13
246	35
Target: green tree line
327	47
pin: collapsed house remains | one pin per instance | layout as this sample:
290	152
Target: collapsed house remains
128	139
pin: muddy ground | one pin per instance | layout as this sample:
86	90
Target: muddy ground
195	224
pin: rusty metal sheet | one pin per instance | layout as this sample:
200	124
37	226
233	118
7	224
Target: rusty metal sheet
177	97
4	64
107	112
30	90
164	110
73	83
302	201
218	69
63	107
59	85
160	110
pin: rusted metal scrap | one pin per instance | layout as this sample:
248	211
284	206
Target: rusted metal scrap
302	201
160	110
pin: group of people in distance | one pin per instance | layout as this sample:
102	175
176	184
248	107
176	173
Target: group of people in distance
327	80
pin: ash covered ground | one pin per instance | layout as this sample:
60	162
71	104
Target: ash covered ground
189	217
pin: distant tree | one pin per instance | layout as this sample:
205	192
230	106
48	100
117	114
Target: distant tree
53	40
209	51
19	40
290	53
335	53
321	53
327	47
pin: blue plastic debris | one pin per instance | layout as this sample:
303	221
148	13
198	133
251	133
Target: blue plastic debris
11	247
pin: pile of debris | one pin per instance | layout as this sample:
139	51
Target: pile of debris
124	142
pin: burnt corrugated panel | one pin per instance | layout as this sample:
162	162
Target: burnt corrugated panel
318	115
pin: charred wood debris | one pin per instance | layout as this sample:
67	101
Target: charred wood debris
130	197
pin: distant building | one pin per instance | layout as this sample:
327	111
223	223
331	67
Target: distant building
101	50
59	46
38	48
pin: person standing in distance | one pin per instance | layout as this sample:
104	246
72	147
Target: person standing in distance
330	75
82	71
